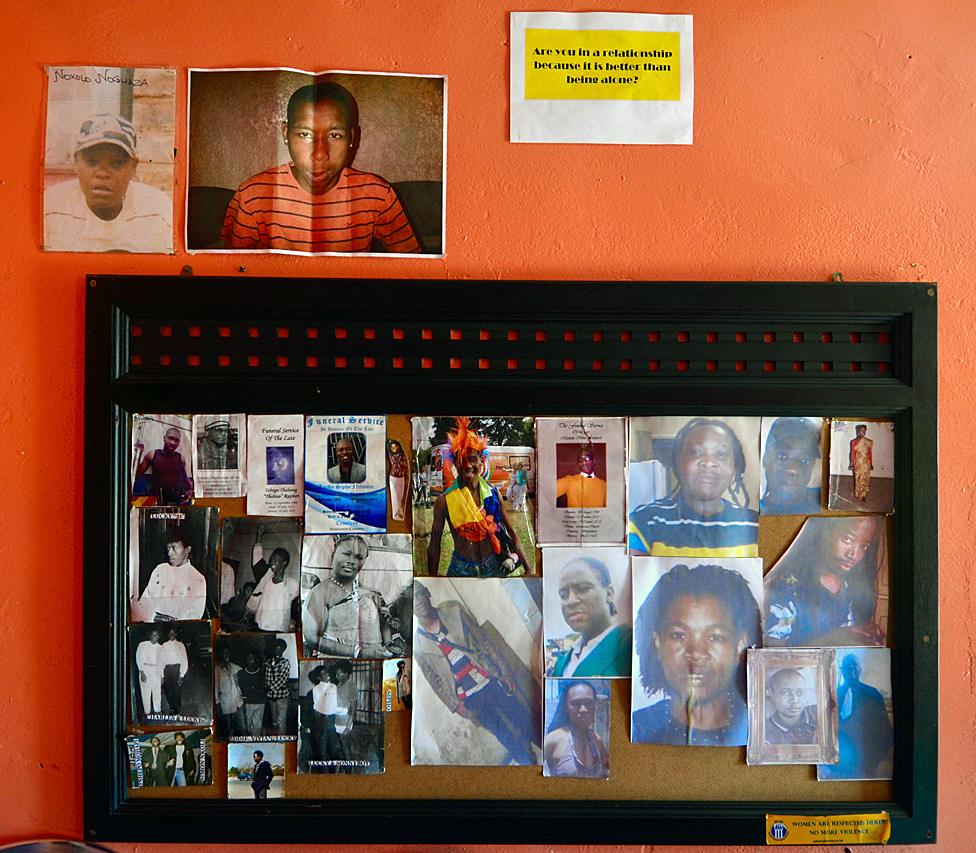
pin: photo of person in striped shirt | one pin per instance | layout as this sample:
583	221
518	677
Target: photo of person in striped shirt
317	202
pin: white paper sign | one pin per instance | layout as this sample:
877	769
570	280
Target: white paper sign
602	77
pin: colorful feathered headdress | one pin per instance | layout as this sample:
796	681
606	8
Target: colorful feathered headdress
464	440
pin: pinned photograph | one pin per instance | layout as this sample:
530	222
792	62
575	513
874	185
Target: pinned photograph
284	160
694	487
477	672
255	771
477	467
421	467
342	717
260	574
792	707
581	482
577	741
792	471
398	472
256	687
862	466
170	759
172	563
830	588
357	595
587	610
396	685
171	673
161	460
345	474
219	451
865	733
276	465
108	159
693	622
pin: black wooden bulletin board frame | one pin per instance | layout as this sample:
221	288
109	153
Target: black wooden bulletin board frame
536	348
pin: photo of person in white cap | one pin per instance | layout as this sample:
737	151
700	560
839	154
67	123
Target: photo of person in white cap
106	208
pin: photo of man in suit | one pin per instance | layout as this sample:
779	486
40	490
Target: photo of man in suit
346	469
154	764
263	776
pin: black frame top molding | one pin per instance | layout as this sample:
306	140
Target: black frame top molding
159	343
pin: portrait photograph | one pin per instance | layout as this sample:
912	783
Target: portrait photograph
357	595
276	465
582	480
347	457
171	674
167	760
342	719
477	515
791	476
219	451
862	466
694	487
792	706
586	612
255	771
398	473
397	681
260	574
285	160
345	474
577	738
582	462
162	460
172	563
256	687
109	153
279	465
694	621
865	723
477	672
830	587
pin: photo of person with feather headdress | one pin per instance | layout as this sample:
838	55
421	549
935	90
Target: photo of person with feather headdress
486	542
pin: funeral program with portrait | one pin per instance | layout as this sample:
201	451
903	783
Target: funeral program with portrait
314	595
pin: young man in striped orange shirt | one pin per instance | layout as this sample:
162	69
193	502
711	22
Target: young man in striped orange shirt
317	202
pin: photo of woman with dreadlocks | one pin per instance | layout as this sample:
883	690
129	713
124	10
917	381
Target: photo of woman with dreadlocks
694	495
692	625
486	544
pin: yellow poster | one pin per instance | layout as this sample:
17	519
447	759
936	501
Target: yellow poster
602	64
828	829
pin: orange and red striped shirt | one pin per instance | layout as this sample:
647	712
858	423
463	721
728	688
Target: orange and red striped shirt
272	211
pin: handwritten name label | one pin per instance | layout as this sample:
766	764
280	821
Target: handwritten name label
113	76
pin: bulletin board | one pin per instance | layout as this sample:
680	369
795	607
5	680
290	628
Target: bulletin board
334	346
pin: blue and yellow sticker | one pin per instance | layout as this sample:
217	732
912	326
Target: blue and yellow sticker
828	829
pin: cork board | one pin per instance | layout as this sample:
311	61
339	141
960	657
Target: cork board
651	349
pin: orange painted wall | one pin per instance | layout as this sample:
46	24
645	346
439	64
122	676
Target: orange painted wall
830	135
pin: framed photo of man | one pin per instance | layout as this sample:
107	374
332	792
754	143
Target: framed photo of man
792	706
